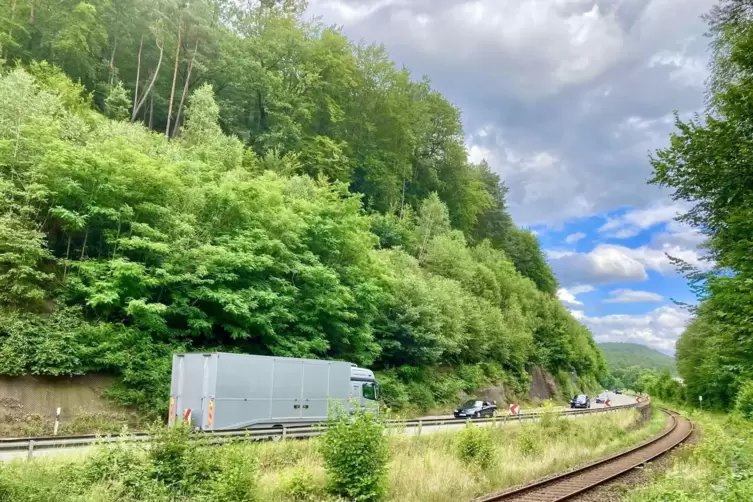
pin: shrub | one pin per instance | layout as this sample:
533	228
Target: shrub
171	453
121	462
354	450
744	400
529	441
300	486
475	446
237	476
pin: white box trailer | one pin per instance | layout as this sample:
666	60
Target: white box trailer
225	391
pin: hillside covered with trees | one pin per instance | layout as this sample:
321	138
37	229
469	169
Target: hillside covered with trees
621	356
228	175
709	165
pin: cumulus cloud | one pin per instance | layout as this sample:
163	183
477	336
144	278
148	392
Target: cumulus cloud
635	221
563	98
608	263
680	235
573	238
633	296
568	295
659	328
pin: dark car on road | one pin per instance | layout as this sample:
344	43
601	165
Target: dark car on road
476	409
618	391
581	401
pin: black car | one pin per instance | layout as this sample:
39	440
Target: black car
476	409
581	401
618	391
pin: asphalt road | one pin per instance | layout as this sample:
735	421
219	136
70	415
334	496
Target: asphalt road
615	400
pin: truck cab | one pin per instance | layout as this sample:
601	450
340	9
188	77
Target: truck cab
364	389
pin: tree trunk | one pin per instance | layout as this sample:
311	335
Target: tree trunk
12	18
138	75
83	248
111	80
175	77
185	89
151	84
151	110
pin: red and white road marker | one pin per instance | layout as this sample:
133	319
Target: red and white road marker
514	409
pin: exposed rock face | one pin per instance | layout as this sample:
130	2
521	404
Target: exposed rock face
543	385
496	394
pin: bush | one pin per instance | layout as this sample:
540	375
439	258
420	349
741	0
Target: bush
237	476
354	450
744	400
529	441
475	446
300	486
121	462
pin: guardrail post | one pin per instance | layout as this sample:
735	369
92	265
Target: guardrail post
284	432
31	449
420	427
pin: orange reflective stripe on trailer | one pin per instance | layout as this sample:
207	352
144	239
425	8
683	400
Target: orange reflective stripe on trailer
171	416
210	415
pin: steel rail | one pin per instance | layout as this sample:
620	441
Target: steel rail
566	485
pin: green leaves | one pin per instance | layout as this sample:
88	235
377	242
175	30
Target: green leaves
146	246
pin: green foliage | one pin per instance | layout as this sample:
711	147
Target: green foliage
716	469
117	102
354	450
475	446
300	486
529	441
323	207
706	165
744	400
621	356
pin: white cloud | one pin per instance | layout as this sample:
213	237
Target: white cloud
679	234
564	98
633	296
608	263
573	238
568	295
635	221
689	71
659	328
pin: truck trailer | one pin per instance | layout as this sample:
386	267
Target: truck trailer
222	391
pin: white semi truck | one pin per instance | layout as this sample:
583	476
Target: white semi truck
224	391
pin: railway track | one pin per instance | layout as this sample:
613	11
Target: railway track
566	485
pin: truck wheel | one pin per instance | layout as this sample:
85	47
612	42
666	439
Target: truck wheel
278	433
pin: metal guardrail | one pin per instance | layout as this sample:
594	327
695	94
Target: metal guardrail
285	432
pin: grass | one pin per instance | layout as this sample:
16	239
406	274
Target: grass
717	469
103	422
439	467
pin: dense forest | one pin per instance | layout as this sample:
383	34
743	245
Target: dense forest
229	175
709	164
640	368
622	355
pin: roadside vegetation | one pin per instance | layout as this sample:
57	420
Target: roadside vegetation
355	460
717	469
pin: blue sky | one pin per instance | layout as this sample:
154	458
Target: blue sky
616	276
565	99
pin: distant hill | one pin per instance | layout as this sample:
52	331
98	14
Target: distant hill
625	355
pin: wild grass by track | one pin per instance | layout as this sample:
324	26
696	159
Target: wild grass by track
432	468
